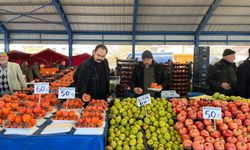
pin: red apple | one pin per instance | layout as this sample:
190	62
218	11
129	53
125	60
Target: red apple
227	114
244	108
223	127
185	137
238	122
237	132
243	128
192	114
199	138
182	131
227	133
210	140
183	112
219	122
199	125
227	119
199	115
219	145
188	122
187	144
216	103
207	122
242	138
232	139
194	132
247	122
220	140
181	117
232	125
230	146
208	146
204	133
178	125
210	128
241	146
241	116
197	145
215	134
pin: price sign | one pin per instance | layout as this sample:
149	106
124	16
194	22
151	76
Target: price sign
66	93
143	100
212	113
41	88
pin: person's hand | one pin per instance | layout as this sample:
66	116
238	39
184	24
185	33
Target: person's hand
138	90
86	97
225	86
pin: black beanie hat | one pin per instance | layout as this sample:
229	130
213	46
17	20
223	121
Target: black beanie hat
228	52
147	54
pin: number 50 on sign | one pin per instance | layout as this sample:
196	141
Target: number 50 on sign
212	112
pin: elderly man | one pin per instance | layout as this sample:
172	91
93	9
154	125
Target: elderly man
145	73
222	77
11	77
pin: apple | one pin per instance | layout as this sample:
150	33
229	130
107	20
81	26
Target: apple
219	145
223	127
181	117
199	138
241	146
204	133
208	146
227	114
182	131
199	115
207	122
191	126
178	125
194	132
232	139
237	132
230	146
210	128
199	125
242	138
215	134
220	139
192	114
227	133
238	121
197	145
247	122
232	125
241	116
188	121
185	137
210	140
187	144
244	108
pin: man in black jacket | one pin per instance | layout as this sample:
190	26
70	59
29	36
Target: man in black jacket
93	76
145	73
243	74
222	76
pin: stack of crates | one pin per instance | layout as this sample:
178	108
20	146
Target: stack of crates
200	68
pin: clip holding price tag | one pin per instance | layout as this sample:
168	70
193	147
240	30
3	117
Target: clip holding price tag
66	93
41	88
212	113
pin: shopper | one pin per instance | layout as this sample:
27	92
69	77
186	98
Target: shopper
222	75
35	73
243	75
11	77
145	73
93	75
25	69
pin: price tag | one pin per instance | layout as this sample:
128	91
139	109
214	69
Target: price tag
212	113
41	88
143	100
66	93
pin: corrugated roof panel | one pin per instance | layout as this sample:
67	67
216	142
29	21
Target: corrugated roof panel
82	27
212	43
179	37
54	42
172	10
54	36
232	11
25	26
229	20
54	18
235	2
24	36
24	42
166	27
149	43
77	36
176	2
116	43
164	43
227	28
86	42
25	1
26	9
239	44
67	2
101	19
117	37
238	37
170	20
210	37
150	37
98	10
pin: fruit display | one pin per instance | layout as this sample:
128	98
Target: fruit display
155	85
94	115
133	127
223	97
65	115
231	132
20	121
65	81
73	104
124	69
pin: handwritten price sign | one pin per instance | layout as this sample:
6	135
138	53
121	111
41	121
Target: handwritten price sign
212	113
41	88
143	100
66	93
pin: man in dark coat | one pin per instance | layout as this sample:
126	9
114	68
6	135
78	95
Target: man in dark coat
25	69
222	76
145	73
35	72
243	74
93	75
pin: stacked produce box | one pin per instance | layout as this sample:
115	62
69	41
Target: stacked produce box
124	70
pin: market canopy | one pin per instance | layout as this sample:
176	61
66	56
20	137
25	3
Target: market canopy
77	59
48	57
18	56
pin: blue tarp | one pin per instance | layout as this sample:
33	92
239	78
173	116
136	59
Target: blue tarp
158	57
